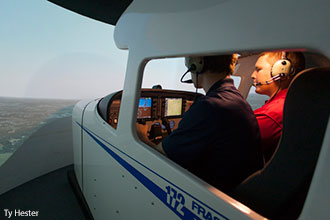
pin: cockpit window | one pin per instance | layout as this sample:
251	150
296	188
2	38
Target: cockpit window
166	73
237	80
256	100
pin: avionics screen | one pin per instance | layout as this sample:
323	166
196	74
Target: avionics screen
144	110
173	106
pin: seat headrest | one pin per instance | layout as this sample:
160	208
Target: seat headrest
280	188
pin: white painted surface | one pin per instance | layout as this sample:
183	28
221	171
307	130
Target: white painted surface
155	29
174	28
77	115
114	193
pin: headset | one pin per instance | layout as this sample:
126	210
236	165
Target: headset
194	65
280	68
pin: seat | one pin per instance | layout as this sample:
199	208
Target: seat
279	190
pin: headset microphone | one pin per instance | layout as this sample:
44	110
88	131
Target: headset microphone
272	79
189	81
194	65
258	84
192	68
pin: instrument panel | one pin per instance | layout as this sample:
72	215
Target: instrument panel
160	110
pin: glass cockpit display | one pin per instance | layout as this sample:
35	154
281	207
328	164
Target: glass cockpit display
173	107
154	106
144	110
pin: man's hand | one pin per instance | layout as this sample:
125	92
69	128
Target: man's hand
142	131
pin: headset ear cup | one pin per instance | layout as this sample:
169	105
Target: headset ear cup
198	62
282	67
199	65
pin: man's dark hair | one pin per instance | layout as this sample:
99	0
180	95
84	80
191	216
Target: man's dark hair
220	64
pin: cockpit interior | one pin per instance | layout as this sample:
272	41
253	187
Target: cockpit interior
160	110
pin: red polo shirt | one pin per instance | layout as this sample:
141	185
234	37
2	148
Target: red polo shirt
270	120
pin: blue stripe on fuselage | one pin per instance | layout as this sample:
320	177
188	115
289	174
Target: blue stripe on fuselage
151	186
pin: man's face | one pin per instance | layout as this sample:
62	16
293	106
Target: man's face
261	74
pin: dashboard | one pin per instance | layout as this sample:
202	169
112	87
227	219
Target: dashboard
160	110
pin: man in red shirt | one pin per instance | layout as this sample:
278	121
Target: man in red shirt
272	76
